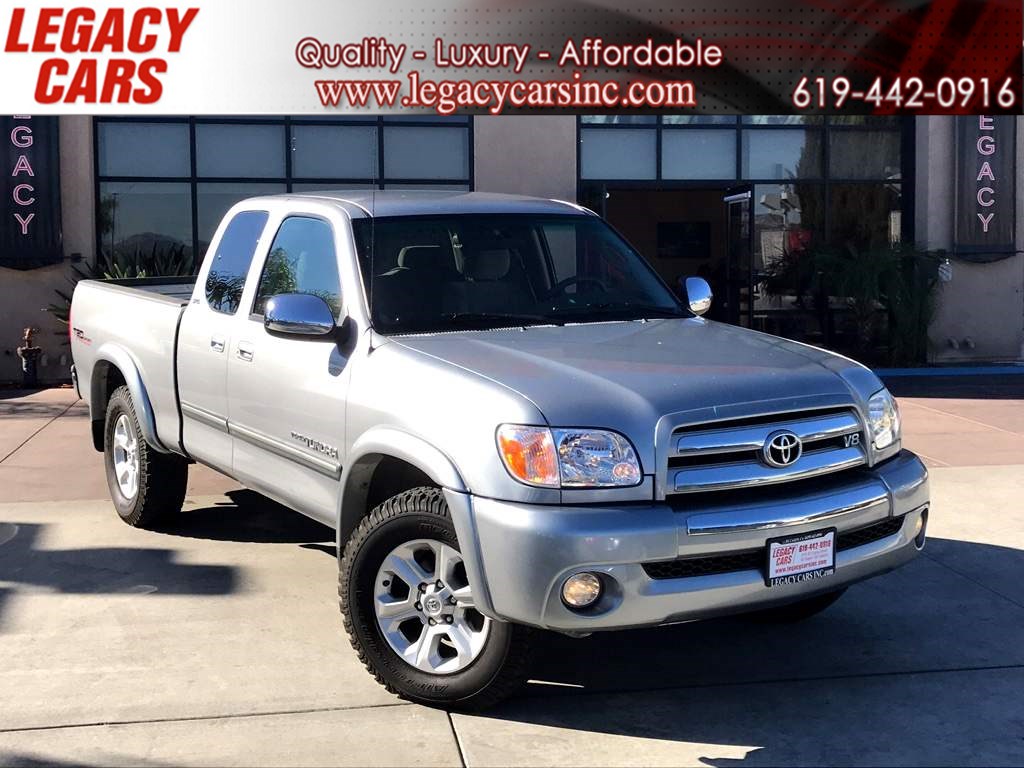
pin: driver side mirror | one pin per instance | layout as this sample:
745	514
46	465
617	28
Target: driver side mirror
298	314
698	294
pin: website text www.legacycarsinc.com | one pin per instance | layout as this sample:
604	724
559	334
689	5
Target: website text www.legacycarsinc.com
448	96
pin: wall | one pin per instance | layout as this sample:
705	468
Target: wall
526	155
24	295
983	302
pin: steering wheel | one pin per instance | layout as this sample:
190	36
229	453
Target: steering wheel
563	285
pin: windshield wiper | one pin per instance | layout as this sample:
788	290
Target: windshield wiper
596	312
496	319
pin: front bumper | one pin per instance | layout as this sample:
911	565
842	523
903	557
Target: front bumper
520	554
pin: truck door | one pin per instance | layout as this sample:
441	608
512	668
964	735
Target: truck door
286	402
204	338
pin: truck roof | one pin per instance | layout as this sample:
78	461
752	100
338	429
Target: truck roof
363	203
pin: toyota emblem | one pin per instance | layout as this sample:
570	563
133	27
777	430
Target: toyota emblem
781	449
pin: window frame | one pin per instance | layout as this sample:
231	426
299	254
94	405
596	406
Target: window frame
377	180
259	317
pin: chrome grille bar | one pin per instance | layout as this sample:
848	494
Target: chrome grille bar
729	457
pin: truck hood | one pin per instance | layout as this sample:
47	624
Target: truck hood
628	375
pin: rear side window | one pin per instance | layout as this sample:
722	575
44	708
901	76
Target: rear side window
301	260
230	264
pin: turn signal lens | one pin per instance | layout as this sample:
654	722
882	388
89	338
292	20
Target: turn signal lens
529	454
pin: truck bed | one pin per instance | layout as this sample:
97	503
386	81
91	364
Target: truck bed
128	324
173	290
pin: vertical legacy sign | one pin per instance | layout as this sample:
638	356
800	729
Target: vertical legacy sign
986	181
30	233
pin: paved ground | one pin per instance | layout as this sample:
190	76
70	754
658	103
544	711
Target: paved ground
218	641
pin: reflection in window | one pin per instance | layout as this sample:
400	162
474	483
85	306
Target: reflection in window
230	264
781	154
145	222
865	215
787	219
864	155
301	260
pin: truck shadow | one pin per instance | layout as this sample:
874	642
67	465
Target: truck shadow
248	517
994	387
100	570
861	683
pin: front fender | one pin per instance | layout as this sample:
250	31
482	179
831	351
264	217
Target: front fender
121	359
379	442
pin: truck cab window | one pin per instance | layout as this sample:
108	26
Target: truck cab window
301	260
230	264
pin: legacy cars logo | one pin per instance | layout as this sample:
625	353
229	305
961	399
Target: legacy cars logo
781	449
316	445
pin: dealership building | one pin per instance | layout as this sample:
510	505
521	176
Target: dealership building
733	199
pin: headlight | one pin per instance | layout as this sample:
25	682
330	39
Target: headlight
883	419
568	458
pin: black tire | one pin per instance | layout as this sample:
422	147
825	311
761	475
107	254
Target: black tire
504	661
162	476
802	609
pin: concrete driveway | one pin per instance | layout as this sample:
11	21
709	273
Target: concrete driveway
218	641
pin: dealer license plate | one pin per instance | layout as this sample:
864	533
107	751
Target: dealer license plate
795	559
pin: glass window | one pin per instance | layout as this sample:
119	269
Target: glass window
865	215
143	221
869	121
781	154
438	273
864	154
619	119
426	153
698	154
301	260
230	264
699	119
143	149
787	219
334	151
214	199
782	119
242	151
627	153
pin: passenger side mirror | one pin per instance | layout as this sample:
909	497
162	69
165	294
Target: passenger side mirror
298	314
698	294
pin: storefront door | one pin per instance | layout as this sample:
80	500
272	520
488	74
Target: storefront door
738	302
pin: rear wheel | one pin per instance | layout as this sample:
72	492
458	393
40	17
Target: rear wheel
410	611
800	610
145	485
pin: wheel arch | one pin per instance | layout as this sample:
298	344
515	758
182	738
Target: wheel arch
382	450
113	368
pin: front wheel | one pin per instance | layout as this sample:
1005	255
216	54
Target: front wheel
410	613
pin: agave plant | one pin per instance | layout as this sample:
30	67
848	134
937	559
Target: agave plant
167	261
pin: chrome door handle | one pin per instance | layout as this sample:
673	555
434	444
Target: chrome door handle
245	352
217	345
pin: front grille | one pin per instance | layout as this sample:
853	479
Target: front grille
727	455
754	559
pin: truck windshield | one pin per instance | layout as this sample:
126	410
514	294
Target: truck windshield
441	273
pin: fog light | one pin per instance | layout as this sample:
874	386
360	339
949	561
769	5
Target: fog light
581	590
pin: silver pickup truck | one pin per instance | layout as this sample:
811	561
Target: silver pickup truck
511	422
